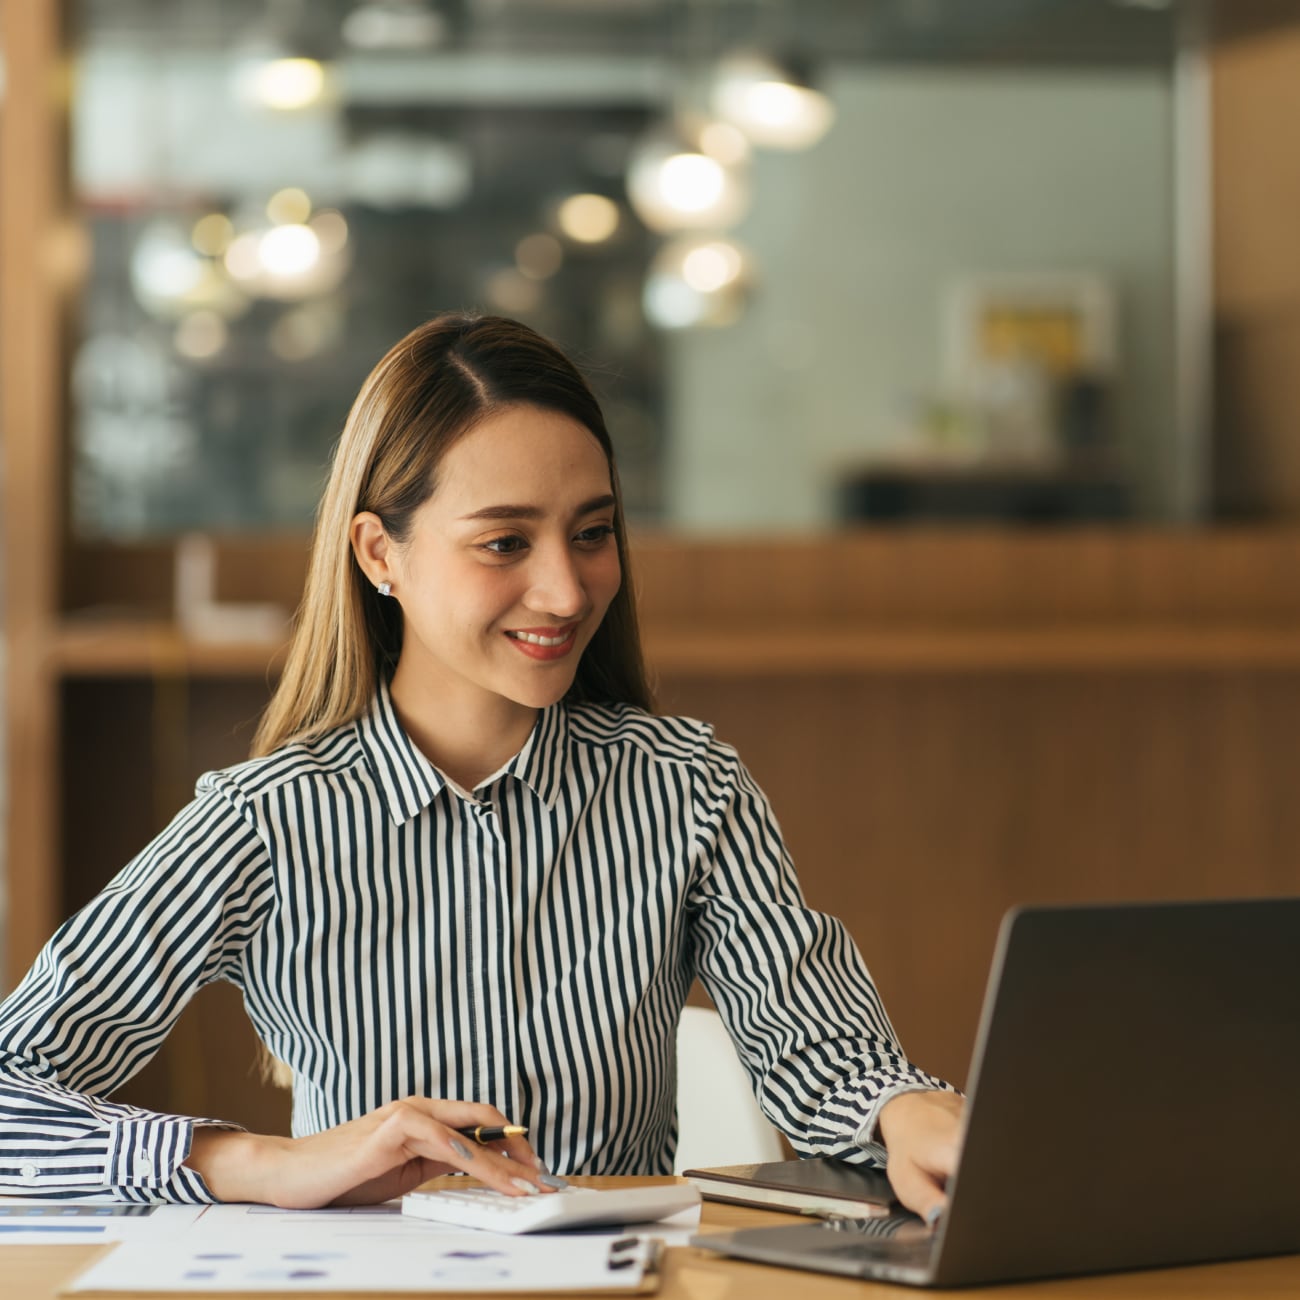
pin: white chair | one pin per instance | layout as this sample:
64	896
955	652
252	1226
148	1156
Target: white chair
718	1120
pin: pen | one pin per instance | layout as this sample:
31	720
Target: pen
483	1133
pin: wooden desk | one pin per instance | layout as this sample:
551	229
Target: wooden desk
37	1272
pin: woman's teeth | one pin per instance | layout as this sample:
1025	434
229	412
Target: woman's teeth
533	639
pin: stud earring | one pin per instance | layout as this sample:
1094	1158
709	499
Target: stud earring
385	589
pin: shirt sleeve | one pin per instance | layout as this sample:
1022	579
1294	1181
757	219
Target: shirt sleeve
101	998
788	981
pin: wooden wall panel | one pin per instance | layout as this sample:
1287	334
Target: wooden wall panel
919	808
1257	459
1256	185
1255	78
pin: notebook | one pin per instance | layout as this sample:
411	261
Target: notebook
813	1186
1131	1105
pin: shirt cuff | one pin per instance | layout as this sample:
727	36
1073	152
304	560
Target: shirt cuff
867	1136
146	1160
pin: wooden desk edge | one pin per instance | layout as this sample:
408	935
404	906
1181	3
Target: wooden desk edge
37	1272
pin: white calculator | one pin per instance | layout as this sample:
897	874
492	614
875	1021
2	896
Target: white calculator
573	1207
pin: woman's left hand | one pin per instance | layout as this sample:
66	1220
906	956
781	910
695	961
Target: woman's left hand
922	1133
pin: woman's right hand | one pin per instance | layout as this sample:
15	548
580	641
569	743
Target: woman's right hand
375	1158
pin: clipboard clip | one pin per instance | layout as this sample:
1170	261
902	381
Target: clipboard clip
642	1253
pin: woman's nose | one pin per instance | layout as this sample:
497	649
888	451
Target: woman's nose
557	587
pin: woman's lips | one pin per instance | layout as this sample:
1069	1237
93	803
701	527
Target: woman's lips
543	642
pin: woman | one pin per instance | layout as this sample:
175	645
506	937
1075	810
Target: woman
468	878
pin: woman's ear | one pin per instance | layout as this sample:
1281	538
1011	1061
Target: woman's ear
371	547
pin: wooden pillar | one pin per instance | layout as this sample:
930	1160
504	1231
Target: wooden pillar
1255	77
33	230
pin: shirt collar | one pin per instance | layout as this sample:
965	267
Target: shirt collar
540	763
410	782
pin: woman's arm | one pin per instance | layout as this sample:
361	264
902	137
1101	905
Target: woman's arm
100	999
793	989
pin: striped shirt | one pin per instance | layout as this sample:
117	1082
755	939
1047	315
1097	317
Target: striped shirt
528	944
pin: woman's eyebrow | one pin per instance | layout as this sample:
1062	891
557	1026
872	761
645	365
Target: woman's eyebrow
536	512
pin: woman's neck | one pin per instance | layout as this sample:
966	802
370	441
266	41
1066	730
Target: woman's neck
466	740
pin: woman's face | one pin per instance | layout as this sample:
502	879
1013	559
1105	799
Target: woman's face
509	566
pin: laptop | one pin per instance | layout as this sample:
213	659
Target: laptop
1132	1104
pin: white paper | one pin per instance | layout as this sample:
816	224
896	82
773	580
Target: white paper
429	1261
26	1221
359	1248
235	1224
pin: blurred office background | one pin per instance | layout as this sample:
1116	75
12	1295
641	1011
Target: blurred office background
761	224
950	351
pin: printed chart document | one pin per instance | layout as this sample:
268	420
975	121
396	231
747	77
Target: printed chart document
30	1221
242	1248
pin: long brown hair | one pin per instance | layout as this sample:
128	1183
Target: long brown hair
430	390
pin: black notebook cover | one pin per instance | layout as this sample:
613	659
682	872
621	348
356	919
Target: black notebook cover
818	1185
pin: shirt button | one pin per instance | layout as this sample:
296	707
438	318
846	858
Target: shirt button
29	1173
142	1163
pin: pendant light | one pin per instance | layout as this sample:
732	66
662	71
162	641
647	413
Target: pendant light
774	102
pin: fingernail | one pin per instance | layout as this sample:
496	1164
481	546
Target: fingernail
525	1186
540	1164
933	1215
551	1181
461	1149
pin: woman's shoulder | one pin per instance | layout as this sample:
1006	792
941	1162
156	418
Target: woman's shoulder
323	756
666	737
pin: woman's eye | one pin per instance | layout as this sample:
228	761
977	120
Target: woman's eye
596	533
509	545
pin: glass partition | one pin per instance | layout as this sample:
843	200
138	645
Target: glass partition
825	261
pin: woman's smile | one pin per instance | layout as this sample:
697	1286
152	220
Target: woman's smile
544	643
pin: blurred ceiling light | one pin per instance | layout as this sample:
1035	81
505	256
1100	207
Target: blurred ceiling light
513	293
289	207
216	292
697	281
588	218
772	103
725	142
706	268
242	259
200	335
692	182
674	186
288	262
211	234
164	266
394	25
288	251
539	256
170	278
332	230
286	85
